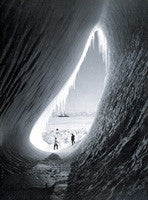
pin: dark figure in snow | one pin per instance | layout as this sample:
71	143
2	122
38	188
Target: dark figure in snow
57	131
72	138
55	143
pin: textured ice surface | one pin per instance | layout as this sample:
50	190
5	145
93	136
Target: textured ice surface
111	163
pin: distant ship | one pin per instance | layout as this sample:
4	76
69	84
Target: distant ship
63	115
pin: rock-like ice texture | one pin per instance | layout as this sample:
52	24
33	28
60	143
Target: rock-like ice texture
39	53
40	45
113	163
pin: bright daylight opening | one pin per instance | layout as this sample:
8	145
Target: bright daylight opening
73	109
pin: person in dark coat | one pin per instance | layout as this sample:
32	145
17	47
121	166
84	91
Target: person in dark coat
72	138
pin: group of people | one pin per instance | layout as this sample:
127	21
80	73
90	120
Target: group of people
56	141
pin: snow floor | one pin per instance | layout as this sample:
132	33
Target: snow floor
79	126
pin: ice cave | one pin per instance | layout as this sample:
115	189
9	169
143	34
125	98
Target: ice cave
43	45
59	102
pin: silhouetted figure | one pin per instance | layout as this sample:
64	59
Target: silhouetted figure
57	131
72	138
55	143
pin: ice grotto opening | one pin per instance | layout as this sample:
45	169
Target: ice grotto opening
40	44
58	104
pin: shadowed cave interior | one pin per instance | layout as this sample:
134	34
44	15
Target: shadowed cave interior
41	44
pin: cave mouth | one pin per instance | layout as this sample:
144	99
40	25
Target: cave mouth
36	136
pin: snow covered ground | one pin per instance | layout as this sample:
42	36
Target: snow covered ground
78	125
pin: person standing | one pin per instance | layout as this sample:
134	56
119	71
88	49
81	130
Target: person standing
55	143
72	138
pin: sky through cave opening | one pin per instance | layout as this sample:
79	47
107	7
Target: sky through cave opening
73	109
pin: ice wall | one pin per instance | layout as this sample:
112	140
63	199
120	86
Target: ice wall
113	160
40	45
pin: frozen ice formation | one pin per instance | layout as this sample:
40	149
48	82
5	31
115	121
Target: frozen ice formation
42	43
58	103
